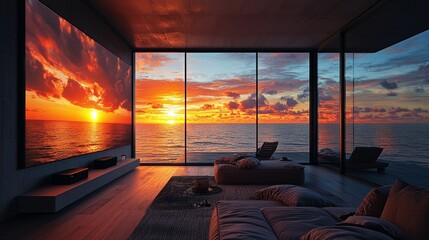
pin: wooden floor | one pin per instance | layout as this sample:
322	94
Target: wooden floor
114	211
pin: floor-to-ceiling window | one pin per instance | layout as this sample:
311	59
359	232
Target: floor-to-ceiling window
221	105
388	107
283	102
195	107
328	107
160	107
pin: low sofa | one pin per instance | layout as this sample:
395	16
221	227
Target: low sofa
231	171
400	211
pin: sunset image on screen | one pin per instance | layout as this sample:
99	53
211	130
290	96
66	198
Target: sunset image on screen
71	83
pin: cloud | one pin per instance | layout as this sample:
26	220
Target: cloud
280	106
39	80
281	85
304	94
280	60
389	85
289	101
207	106
423	71
419	90
150	62
262	101
157	105
271	92
236	87
232	105
266	111
76	94
250	102
420	110
233	95
326	98
114	77
357	109
398	110
250	112
74	48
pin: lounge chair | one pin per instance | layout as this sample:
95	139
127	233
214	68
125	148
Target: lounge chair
267	150
366	158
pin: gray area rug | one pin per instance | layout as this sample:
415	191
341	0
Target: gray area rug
176	214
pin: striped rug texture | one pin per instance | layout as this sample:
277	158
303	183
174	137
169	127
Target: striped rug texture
176	214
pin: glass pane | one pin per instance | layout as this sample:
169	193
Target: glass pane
220	105
390	109
329	107
160	105
283	100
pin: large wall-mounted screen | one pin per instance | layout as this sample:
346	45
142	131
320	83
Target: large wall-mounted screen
78	95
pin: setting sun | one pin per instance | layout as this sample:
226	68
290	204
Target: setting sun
94	115
171	121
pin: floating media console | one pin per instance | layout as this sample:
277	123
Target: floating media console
52	198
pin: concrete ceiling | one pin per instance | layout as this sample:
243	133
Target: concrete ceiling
229	24
370	25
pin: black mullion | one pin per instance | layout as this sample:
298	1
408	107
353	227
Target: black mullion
257	102
185	122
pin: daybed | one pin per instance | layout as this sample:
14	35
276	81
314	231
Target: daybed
263	172
397	212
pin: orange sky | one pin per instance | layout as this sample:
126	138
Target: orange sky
163	102
217	94
221	88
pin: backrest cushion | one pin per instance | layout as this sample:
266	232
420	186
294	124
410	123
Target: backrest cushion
248	163
408	208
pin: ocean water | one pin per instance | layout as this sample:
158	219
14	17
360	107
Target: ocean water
165	143
48	141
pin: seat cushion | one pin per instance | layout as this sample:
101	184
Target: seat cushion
268	172
241	220
293	222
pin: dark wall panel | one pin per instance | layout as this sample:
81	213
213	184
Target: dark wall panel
14	181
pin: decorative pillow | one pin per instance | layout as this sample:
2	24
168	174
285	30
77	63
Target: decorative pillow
226	166
292	195
408	208
374	201
255	160
376	224
226	160
247	163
